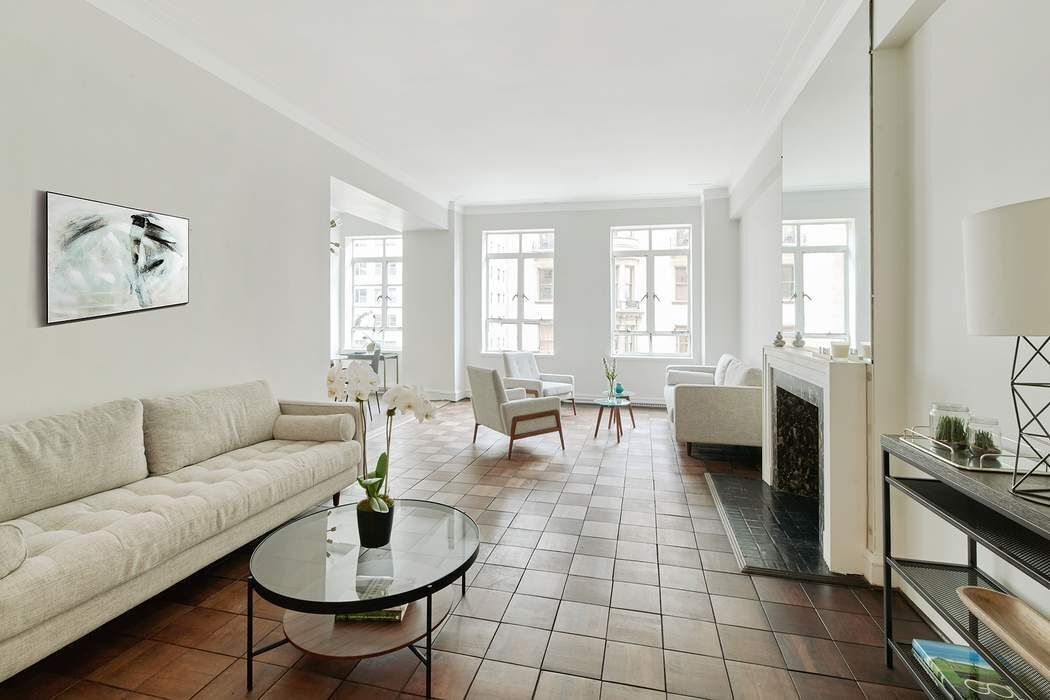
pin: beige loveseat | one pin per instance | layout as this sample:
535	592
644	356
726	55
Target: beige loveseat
715	404
118	502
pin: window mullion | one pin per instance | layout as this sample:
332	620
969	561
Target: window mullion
650	302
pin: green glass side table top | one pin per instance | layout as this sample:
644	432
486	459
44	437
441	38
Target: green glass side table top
610	401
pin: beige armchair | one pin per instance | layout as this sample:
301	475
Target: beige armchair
508	411
523	373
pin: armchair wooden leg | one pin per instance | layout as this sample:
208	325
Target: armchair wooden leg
599	423
335	498
475	434
561	436
573	400
510	448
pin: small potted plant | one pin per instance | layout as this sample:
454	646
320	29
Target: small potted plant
375	512
609	368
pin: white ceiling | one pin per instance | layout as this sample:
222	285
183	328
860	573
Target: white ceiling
506	100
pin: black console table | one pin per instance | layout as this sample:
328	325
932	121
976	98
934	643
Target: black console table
981	506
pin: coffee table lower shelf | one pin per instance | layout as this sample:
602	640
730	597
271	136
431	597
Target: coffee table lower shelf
322	636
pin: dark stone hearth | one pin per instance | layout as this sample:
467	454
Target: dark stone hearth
772	532
797	445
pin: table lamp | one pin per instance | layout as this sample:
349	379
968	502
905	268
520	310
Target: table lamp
1006	263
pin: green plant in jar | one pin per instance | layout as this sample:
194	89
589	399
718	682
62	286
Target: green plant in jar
950	430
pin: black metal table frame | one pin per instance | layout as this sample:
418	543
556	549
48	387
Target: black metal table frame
975	535
356	606
424	658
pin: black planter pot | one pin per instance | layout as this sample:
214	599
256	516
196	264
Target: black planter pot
373	528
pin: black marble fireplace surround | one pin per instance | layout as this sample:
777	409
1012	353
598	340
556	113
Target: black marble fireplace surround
798	419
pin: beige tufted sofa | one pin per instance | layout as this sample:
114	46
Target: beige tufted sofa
120	501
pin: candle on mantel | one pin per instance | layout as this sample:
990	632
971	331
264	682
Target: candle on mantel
839	350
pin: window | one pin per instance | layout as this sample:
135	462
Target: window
651	290
519	291
815	279
373	290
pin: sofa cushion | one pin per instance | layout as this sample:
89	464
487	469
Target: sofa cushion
13	549
47	461
721	367
186	429
739	374
337	427
78	550
681	376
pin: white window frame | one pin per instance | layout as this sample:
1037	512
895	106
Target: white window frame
520	256
346	300
649	294
798	251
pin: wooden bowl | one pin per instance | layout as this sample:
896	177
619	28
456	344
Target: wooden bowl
1014	621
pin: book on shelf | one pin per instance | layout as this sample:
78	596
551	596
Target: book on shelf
960	672
395	614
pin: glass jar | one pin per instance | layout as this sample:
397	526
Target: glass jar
984	436
948	423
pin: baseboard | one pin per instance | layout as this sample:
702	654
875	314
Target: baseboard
874	571
593	398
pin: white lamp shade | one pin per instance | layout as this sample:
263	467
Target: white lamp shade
1006	261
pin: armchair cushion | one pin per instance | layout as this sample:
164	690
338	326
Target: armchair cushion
521	365
526	407
680	376
555	389
561	378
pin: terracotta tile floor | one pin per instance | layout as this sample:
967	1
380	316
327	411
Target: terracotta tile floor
604	573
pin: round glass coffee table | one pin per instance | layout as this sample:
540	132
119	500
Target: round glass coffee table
614	404
316	568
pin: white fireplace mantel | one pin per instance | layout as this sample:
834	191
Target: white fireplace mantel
844	449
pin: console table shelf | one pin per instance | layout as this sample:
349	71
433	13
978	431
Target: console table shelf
981	506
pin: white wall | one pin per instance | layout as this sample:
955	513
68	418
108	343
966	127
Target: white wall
721	280
582	311
92	108
428	359
979	137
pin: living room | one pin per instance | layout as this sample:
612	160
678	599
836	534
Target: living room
527	350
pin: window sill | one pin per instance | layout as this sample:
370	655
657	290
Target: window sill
653	357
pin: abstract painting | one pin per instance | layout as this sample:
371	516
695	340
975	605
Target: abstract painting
105	259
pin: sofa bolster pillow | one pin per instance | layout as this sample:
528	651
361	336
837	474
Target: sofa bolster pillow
13	548
336	427
681	376
720	368
186	429
49	461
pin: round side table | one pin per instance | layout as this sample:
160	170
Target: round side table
614	405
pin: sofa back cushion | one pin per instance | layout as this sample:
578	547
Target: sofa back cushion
721	367
739	374
190	428
48	461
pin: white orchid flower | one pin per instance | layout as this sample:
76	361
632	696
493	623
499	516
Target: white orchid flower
361	381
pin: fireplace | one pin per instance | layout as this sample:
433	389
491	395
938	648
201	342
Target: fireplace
814	436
